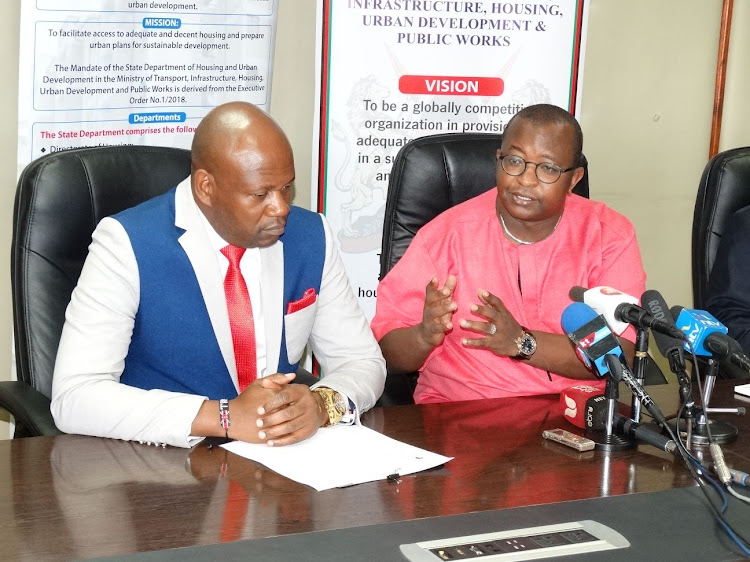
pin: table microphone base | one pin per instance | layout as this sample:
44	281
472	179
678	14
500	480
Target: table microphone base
721	432
611	443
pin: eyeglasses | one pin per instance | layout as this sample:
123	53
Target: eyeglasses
546	172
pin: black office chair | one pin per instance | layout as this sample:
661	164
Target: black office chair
724	189
59	201
431	174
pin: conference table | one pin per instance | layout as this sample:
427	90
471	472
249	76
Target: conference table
70	497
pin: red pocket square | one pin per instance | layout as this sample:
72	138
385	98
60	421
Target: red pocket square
307	299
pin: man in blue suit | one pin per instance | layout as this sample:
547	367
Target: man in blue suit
728	291
155	346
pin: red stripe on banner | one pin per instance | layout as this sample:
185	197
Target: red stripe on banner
324	77
451	85
576	59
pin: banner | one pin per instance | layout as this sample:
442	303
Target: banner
114	72
393	70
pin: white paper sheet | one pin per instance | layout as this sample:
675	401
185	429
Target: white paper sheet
743	389
339	456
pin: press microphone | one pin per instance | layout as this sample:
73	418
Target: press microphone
621	310
591	335
725	347
584	406
589	411
599	346
697	325
708	337
670	347
644	433
604	300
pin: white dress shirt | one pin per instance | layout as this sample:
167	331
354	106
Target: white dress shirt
87	397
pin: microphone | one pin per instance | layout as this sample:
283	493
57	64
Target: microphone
709	337
588	411
670	347
591	335
620	309
697	325
644	434
584	406
599	346
604	301
725	347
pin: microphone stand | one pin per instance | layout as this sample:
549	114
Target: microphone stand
721	432
639	368
677	366
607	440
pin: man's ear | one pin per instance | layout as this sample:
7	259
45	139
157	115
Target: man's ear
203	186
576	176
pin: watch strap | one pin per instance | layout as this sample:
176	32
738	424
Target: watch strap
333	403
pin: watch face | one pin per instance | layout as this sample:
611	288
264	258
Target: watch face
527	345
340	404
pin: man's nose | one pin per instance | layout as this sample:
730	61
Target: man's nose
528	177
278	206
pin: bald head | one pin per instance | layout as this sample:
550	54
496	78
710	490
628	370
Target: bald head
242	174
235	127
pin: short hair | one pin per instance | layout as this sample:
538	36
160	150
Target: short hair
547	114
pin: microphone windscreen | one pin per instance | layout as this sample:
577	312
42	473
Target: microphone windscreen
697	325
575	316
576	293
654	302
584	406
595	414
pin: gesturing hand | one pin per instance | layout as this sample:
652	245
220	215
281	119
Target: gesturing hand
500	330
437	315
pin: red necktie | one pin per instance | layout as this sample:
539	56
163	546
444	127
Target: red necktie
240	317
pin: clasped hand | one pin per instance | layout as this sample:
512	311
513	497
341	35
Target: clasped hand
499	329
274	411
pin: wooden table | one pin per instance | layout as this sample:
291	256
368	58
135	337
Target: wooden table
77	497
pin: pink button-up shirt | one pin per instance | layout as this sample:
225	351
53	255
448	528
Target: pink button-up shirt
592	246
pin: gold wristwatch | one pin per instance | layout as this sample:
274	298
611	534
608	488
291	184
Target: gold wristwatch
526	343
334	403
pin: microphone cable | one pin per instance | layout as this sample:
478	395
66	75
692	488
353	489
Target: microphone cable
699	474
719	467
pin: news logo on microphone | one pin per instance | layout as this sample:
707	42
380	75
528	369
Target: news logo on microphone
697	325
591	335
584	406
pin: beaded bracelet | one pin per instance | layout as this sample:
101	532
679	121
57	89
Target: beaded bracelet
224	416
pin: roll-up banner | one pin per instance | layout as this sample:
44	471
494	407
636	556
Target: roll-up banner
393	70
117	72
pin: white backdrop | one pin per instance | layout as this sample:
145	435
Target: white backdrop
393	70
107	72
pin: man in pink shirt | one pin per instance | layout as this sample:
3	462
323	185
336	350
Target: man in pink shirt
476	300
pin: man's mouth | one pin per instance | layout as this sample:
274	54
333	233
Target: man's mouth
520	198
277	229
